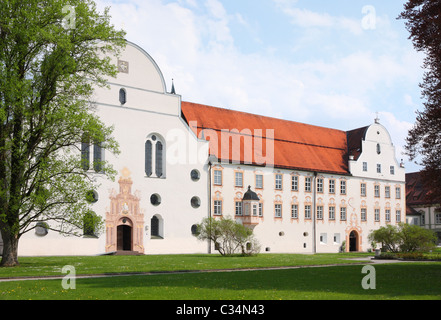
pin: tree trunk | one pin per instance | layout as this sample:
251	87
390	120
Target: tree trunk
10	250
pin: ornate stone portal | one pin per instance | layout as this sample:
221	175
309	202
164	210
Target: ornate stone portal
125	221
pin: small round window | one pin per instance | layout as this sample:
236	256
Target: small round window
195	202
155	199
195	175
41	229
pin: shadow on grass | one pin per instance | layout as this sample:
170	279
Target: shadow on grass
393	281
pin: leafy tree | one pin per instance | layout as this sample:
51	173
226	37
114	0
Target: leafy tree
404	238
228	236
387	236
423	21
51	57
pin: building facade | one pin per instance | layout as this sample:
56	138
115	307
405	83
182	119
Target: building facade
423	209
318	189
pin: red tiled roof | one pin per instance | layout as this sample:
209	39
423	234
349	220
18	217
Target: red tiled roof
417	193
296	145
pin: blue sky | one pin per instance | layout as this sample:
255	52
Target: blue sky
328	63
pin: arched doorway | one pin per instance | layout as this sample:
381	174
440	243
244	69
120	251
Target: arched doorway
353	241
124	238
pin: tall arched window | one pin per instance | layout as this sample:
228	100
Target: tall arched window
122	96
85	152
148	158
154	156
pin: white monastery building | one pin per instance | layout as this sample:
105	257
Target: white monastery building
301	188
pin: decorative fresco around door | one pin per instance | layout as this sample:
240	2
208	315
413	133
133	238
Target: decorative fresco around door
125	219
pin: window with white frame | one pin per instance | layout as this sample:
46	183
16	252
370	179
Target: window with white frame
365	166
377	214
307	184
331	213
278	181
377	191
218	177
363	189
387	215
320	212
294	183
307	211
238	179
343	187
387	192
398	216
319	185
277	210
343	213
260	209
398	192
238	205
217	207
294	211
323	238
259	181
363	214
331	186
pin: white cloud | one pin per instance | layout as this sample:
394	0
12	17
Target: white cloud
309	19
194	44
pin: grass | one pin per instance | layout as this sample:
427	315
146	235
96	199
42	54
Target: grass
50	266
417	280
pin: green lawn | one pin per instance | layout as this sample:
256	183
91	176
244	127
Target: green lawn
416	280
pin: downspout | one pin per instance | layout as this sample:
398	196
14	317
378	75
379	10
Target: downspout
209	201
314	213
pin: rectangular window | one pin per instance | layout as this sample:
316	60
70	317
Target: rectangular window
331	186
378	168
320	212
363	215
387	215
398	193
343	213
377	215
343	187
260	209
392	170
218	177
238	179
294	183
320	185
278	210
238	208
377	191
363	189
307	211
323	238
217	207
278	181
259	181
331	213
336	238
398	216
365	166
294	211
307	184
387	191
254	210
